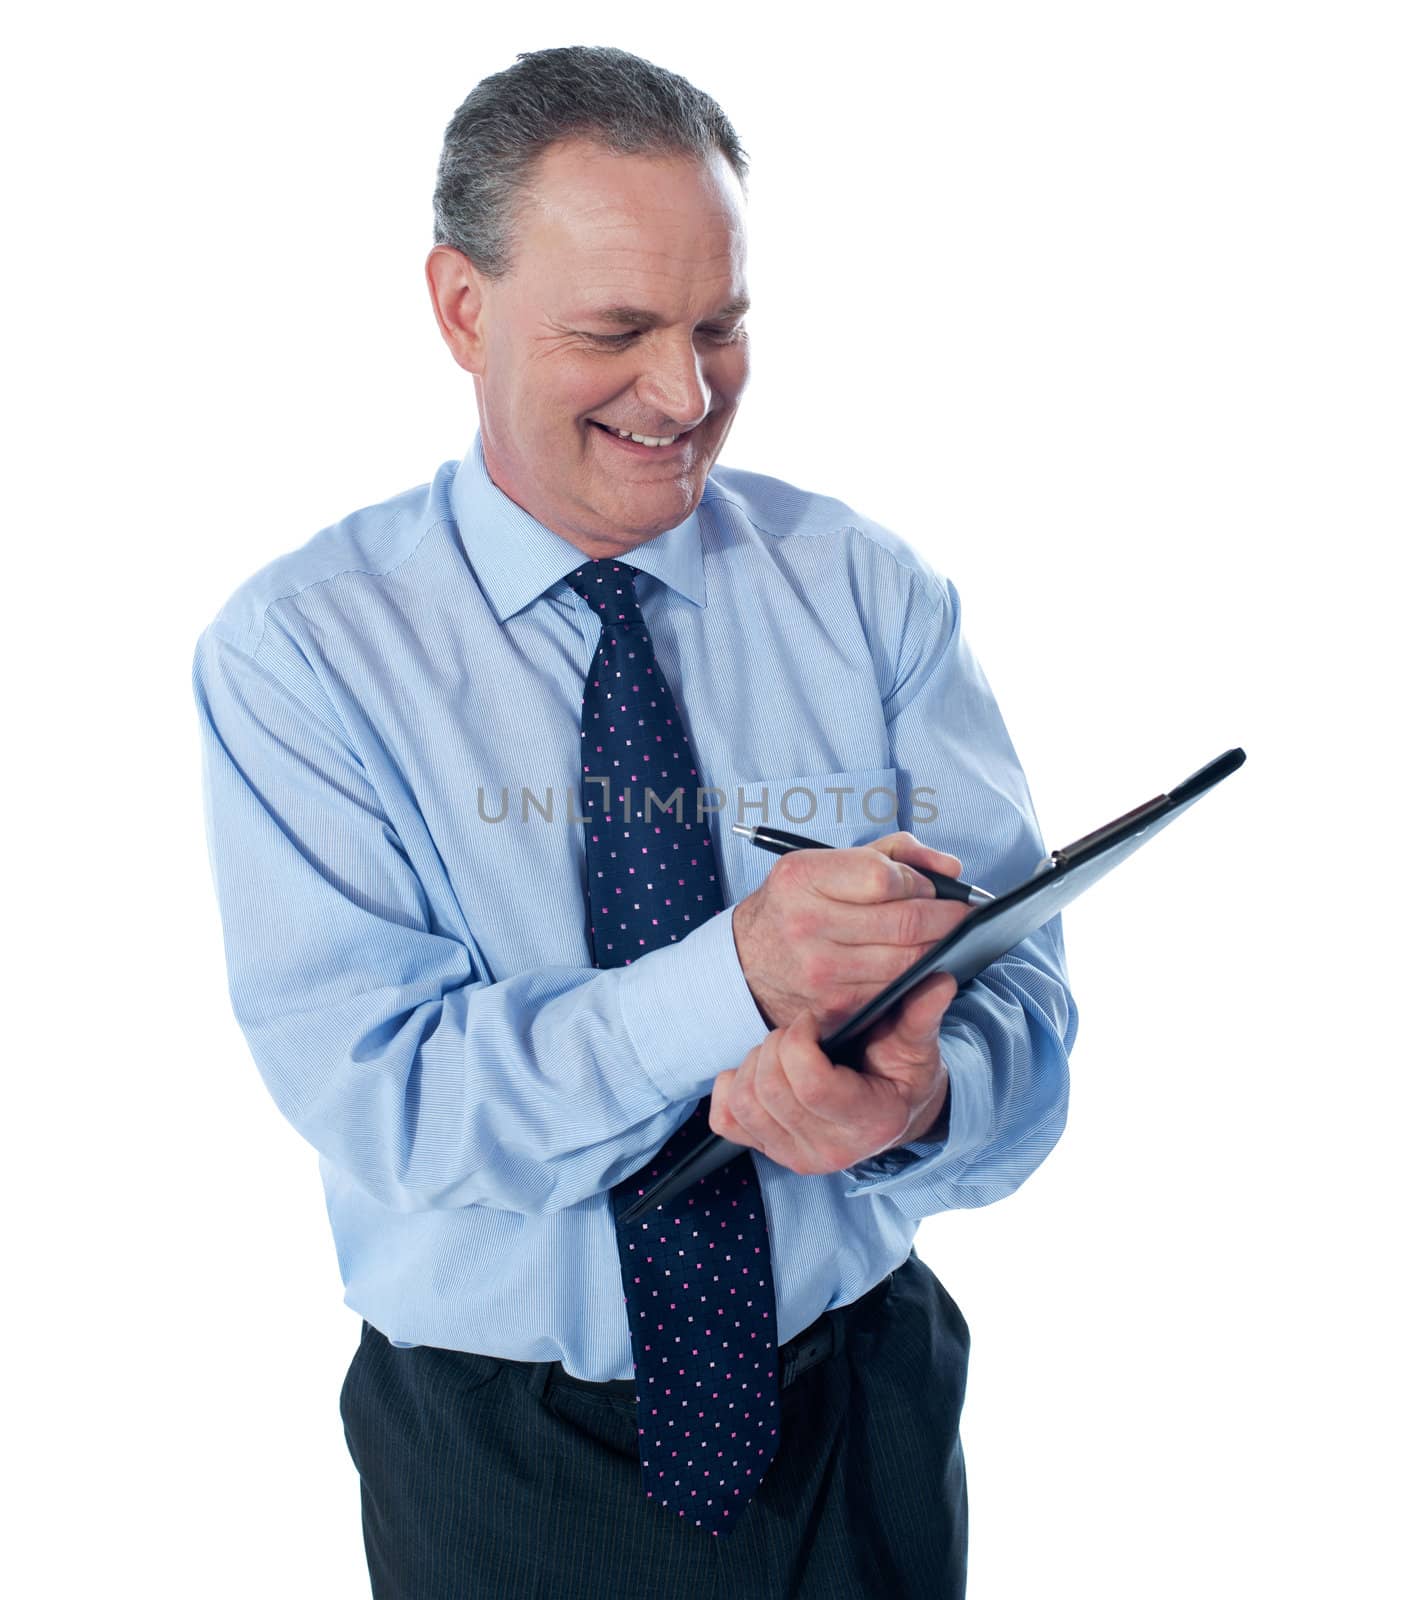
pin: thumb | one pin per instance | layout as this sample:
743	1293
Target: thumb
804	1026
923	1008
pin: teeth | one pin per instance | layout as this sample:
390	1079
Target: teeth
641	438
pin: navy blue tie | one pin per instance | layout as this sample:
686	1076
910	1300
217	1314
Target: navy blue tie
697	1271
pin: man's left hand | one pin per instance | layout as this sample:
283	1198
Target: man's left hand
811	1116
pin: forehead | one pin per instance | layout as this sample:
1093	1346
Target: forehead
598	222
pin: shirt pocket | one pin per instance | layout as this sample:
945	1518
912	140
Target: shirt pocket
840	809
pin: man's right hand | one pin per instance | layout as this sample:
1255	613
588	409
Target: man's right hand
828	929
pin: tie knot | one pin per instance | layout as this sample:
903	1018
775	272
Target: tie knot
609	588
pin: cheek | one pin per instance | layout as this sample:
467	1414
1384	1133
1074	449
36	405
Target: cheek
730	373
580	388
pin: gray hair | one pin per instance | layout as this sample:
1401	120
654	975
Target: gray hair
609	96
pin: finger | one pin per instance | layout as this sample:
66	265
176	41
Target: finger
774	1082
918	1017
906	924
908	1036
827	1097
904	847
721	1119
859	874
756	1105
854	973
727	1099
832	1113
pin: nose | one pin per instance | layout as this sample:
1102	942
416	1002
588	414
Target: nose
674	384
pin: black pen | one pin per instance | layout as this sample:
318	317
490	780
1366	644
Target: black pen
780	843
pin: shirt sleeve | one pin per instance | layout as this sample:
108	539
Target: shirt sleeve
1007	1035
370	1024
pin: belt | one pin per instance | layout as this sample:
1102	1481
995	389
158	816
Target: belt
825	1338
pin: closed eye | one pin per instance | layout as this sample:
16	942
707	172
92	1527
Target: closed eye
621	340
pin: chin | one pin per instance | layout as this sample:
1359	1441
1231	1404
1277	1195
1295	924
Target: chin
676	501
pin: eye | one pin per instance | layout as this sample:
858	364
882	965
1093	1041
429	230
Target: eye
618	341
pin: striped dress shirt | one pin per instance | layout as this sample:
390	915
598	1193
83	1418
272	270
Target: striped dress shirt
389	730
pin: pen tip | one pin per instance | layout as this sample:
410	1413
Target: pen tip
743	828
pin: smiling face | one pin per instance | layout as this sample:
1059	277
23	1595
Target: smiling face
623	310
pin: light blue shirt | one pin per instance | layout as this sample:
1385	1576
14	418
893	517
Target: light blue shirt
388	715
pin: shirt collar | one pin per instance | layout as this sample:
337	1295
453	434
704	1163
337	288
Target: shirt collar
516	559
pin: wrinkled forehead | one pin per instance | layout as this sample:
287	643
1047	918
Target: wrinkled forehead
667	218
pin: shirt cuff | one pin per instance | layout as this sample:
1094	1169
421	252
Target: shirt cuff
689	1011
970	1119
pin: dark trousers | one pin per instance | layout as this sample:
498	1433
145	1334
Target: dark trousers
485	1479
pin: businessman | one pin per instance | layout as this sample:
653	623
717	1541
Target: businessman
471	759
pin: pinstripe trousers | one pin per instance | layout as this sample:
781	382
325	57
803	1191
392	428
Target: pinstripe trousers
487	1479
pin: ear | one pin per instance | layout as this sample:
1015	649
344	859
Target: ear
456	293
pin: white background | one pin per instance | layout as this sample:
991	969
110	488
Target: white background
1100	306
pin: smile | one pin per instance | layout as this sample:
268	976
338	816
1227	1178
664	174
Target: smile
643	443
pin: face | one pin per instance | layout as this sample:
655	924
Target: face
623	310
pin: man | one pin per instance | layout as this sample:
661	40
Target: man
491	1018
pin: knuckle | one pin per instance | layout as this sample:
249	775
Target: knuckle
879	875
807	1090
785	872
804	1094
909	923
814	967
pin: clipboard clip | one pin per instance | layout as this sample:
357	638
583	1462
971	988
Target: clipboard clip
988	932
1070	853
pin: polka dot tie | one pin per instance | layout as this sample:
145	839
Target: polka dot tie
697	1271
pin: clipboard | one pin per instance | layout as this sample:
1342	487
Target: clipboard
980	939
